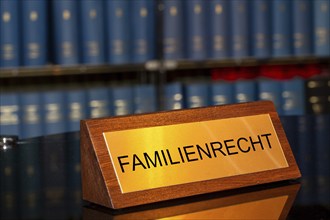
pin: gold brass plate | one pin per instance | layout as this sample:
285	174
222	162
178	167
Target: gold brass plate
154	157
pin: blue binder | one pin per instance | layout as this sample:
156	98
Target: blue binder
196	41
173	30
219	29
321	27
53	111
302	27
173	97
197	94
76	104
65	31
281	28
118	31
123	100
143	30
31	114
270	89
98	101
9	34
145	98
245	91
293	96
261	28
222	93
34	32
239	17
10	113
92	31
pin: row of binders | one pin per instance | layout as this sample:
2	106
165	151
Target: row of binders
29	112
69	32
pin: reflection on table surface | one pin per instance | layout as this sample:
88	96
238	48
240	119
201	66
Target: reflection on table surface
40	179
249	203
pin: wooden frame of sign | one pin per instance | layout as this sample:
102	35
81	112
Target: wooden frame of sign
103	171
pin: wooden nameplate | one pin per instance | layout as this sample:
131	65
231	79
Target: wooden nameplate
145	158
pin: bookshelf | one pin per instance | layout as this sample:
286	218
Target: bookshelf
245	62
153	66
81	43
58	70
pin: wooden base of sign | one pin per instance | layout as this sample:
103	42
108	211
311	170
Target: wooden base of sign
100	184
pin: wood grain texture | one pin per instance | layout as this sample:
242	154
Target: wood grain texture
100	169
91	174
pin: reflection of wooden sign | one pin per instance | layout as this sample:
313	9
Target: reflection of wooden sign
258	202
139	159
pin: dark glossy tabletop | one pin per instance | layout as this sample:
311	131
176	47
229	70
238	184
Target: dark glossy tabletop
40	179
